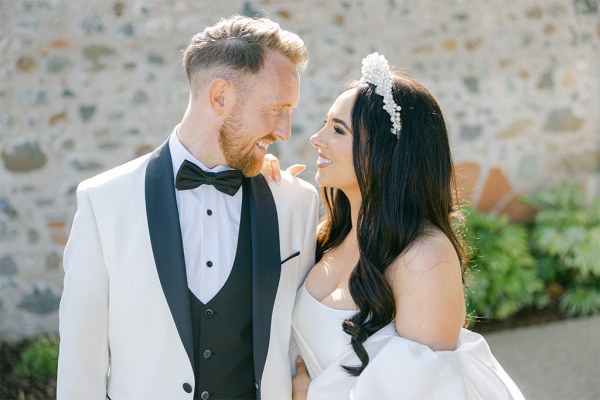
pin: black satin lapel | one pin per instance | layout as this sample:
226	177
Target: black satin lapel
266	265
167	246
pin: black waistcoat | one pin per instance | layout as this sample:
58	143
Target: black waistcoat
222	328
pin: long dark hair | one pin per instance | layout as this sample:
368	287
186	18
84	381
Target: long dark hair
406	183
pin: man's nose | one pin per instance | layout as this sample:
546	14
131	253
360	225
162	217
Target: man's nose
283	130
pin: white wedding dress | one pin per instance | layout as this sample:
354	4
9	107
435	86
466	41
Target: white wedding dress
398	368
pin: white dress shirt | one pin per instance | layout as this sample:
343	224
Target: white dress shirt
210	224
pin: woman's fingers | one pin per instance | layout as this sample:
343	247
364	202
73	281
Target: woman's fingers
276	168
271	169
295	169
267	167
301	381
300	366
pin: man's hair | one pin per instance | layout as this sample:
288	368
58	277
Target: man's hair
235	47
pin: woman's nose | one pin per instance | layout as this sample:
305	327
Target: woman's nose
316	140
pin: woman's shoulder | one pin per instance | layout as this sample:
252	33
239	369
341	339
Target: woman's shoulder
431	249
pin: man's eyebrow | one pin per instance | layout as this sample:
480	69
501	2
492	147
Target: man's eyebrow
281	105
339	121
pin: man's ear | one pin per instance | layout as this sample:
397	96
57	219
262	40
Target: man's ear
221	96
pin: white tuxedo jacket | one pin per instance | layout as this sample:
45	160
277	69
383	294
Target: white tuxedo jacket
125	322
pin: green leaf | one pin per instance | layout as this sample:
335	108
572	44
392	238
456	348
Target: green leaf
39	360
580	301
503	279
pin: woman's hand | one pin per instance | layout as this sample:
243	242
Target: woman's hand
301	381
272	170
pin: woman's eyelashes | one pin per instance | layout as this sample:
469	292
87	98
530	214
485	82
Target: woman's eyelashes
336	128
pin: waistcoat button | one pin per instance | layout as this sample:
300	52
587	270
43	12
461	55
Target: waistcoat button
205	395
208	313
206	354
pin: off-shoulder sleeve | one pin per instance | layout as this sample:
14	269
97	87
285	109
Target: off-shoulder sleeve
402	369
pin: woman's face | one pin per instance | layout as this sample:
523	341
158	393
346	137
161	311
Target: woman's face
334	143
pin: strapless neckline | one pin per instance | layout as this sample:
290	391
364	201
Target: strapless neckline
318	332
337	310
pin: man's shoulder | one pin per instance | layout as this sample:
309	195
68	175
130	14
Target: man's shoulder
290	184
294	193
131	170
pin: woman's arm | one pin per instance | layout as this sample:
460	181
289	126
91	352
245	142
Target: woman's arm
428	293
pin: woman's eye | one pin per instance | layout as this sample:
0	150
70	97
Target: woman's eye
338	130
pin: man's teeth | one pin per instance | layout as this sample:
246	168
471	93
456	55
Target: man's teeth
322	160
262	144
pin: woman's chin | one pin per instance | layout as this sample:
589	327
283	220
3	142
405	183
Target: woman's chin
319	179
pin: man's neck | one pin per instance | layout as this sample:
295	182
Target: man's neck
201	142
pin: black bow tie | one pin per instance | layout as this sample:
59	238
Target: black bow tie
190	176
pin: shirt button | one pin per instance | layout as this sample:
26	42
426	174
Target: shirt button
209	264
205	395
187	388
206	354
208	313
209	212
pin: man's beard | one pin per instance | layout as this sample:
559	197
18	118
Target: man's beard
239	155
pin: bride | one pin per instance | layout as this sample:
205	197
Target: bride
381	314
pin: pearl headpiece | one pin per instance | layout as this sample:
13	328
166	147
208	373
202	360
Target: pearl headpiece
376	70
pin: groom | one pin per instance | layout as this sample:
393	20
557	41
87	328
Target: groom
182	266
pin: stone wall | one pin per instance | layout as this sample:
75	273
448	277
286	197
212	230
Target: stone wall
88	84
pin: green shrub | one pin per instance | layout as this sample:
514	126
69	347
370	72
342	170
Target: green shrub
39	360
502	278
566	243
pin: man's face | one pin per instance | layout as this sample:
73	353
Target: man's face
262	116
